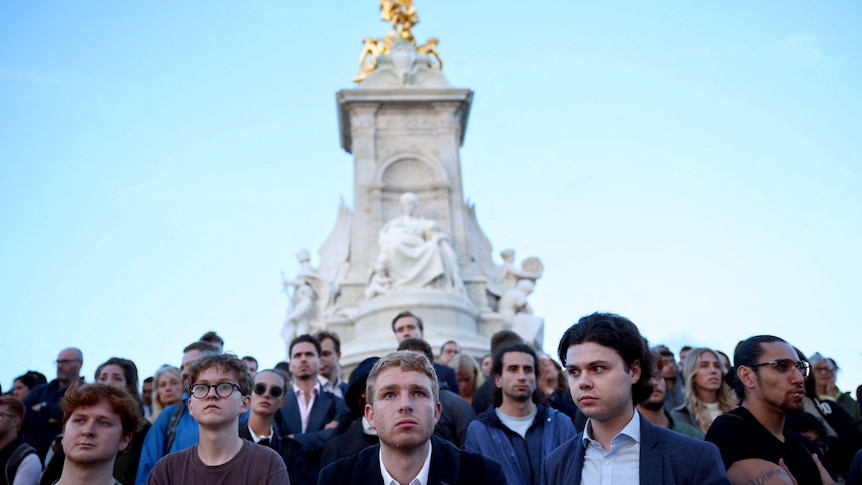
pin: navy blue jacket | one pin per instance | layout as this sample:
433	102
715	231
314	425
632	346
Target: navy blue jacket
36	429
449	465
520	458
666	457
327	407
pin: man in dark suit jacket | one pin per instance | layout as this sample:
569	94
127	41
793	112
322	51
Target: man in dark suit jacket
403	405
310	416
610	369
407	325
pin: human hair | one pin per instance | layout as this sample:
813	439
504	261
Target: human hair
617	333
212	337
466	363
149	379
31	379
684	348
118	399
443	347
696	406
305	338
326	334
224	363
202	347
281	375
130	373
158	405
747	352
408	313
16	407
417	345
497	367
406	360
503	338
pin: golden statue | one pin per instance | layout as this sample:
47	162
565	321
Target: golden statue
403	16
430	49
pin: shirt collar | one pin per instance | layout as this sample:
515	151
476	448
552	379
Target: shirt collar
315	391
420	479
257	438
631	430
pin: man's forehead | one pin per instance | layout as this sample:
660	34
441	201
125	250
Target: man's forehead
396	376
517	358
191	355
100	408
405	321
304	348
778	350
68	354
216	373
591	351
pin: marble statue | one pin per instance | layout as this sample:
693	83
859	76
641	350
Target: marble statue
300	313
506	275
415	253
515	301
518	315
311	294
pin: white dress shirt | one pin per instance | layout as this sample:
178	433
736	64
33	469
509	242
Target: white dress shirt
620	465
421	478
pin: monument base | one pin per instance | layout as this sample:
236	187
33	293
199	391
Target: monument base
445	315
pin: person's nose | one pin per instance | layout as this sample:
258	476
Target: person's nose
406	402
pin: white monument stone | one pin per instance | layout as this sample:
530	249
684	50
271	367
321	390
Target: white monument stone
410	242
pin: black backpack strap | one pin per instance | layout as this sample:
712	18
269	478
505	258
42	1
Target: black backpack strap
15	460
171	432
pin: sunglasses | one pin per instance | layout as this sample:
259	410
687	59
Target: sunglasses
274	391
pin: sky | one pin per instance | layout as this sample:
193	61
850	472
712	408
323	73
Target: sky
693	166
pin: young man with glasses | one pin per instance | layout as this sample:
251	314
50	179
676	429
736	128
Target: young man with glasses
756	447
175	429
43	417
219	394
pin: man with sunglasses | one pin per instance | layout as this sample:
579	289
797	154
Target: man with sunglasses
219	394
755	445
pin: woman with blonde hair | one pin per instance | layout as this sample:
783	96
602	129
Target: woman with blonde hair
706	394
167	389
469	375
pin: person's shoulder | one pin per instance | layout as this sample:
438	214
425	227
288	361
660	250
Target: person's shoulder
566	449
672	439
349	466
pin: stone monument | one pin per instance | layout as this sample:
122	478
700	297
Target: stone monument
410	242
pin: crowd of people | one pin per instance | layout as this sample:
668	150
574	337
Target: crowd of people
607	408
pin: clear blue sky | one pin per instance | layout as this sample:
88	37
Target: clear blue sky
693	166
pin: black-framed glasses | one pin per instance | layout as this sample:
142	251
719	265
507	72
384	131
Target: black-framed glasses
222	389
274	391
785	366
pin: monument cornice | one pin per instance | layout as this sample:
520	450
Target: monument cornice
348	99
